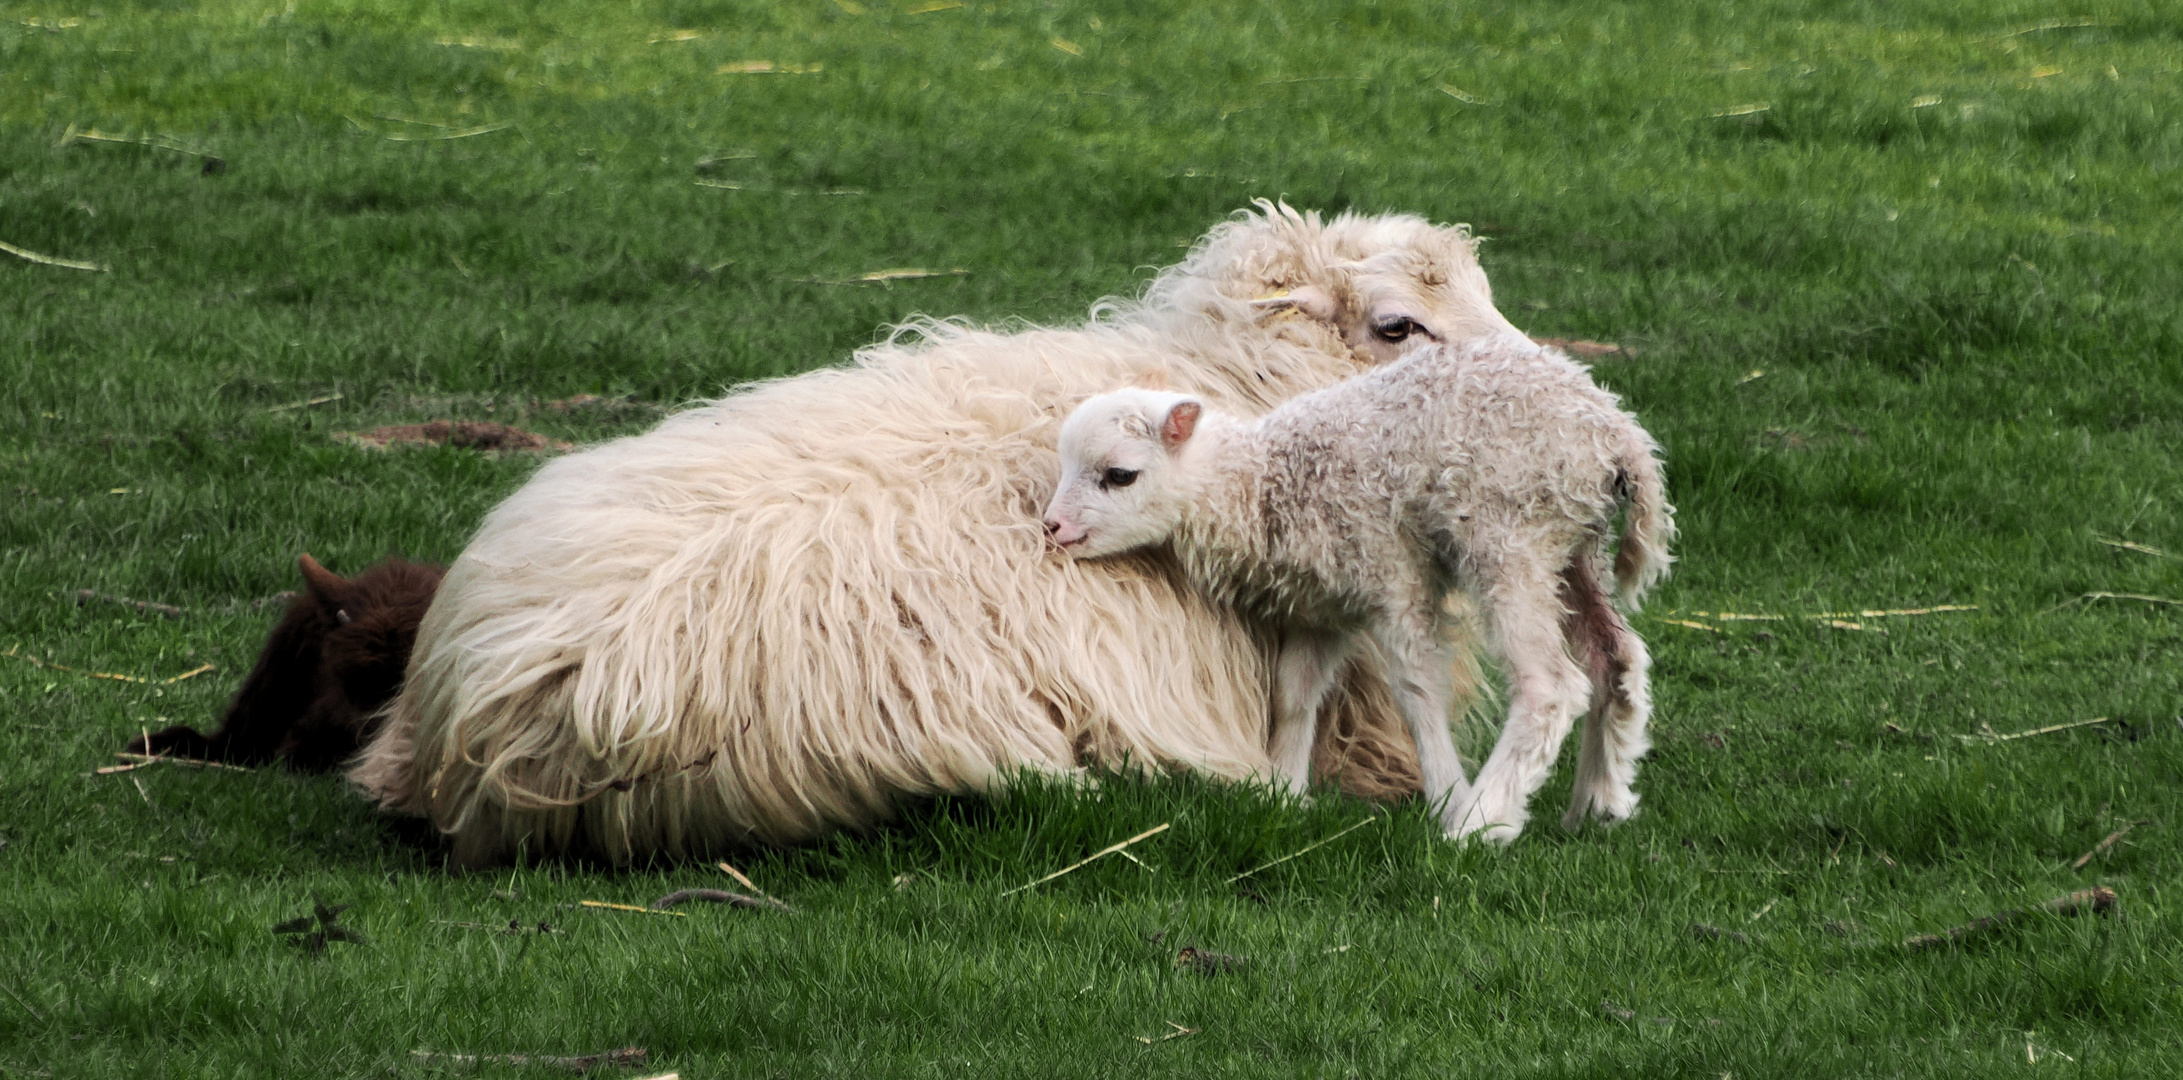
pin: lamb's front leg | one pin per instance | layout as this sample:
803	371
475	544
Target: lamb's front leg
1304	672
1417	672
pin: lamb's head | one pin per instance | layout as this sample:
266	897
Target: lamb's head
1122	472
1378	284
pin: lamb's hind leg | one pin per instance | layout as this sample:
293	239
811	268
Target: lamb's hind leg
1546	691
1614	731
1306	670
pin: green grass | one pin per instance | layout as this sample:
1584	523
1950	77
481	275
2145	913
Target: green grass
1951	249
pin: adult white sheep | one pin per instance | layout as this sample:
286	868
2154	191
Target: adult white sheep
780	613
1353	511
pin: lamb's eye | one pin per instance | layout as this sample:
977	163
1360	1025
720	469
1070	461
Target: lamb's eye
1120	477
1396	328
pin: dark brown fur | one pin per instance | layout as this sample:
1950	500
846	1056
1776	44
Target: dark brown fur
331	663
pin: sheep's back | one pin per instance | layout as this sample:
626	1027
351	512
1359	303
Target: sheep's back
776	613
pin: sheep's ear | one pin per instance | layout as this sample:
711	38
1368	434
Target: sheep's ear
1181	422
1309	300
330	588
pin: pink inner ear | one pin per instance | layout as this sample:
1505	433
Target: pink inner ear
1181	421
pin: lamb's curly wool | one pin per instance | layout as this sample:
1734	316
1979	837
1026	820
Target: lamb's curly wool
779	613
1351	512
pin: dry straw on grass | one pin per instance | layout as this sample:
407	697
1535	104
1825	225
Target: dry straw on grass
1178	1033
767	67
443	133
747	883
2055	24
1094	857
883	277
306	403
49	665
138	761
51	260
1369	819
1989	735
2142	549
604	905
1692	625
142	607
1827	616
628	1057
2105	844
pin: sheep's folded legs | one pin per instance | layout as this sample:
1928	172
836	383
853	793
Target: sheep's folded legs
1305	671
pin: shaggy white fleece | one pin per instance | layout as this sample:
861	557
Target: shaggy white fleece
782	612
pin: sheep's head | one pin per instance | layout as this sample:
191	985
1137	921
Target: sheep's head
1377	284
1387	283
1121	472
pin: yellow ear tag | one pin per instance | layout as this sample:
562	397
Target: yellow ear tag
1290	312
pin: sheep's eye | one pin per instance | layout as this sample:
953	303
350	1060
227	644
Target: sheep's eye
1395	329
1120	477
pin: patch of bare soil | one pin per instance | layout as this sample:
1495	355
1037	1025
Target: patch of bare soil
464	434
1589	350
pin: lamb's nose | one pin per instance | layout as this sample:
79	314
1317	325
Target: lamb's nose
1055	537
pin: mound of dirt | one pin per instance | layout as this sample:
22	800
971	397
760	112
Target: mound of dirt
1589	350
465	434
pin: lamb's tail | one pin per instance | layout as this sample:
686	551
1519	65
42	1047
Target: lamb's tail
1642	558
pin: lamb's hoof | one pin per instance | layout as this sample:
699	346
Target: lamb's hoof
1616	808
1613	808
1291	787
1477	826
1498	834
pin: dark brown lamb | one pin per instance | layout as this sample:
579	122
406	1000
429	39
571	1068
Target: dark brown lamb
331	663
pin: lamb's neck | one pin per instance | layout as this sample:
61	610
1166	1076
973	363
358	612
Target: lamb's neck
1222	538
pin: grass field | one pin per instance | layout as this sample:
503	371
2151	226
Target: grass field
1901	284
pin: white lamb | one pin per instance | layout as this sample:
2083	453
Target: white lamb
1496	467
784	611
